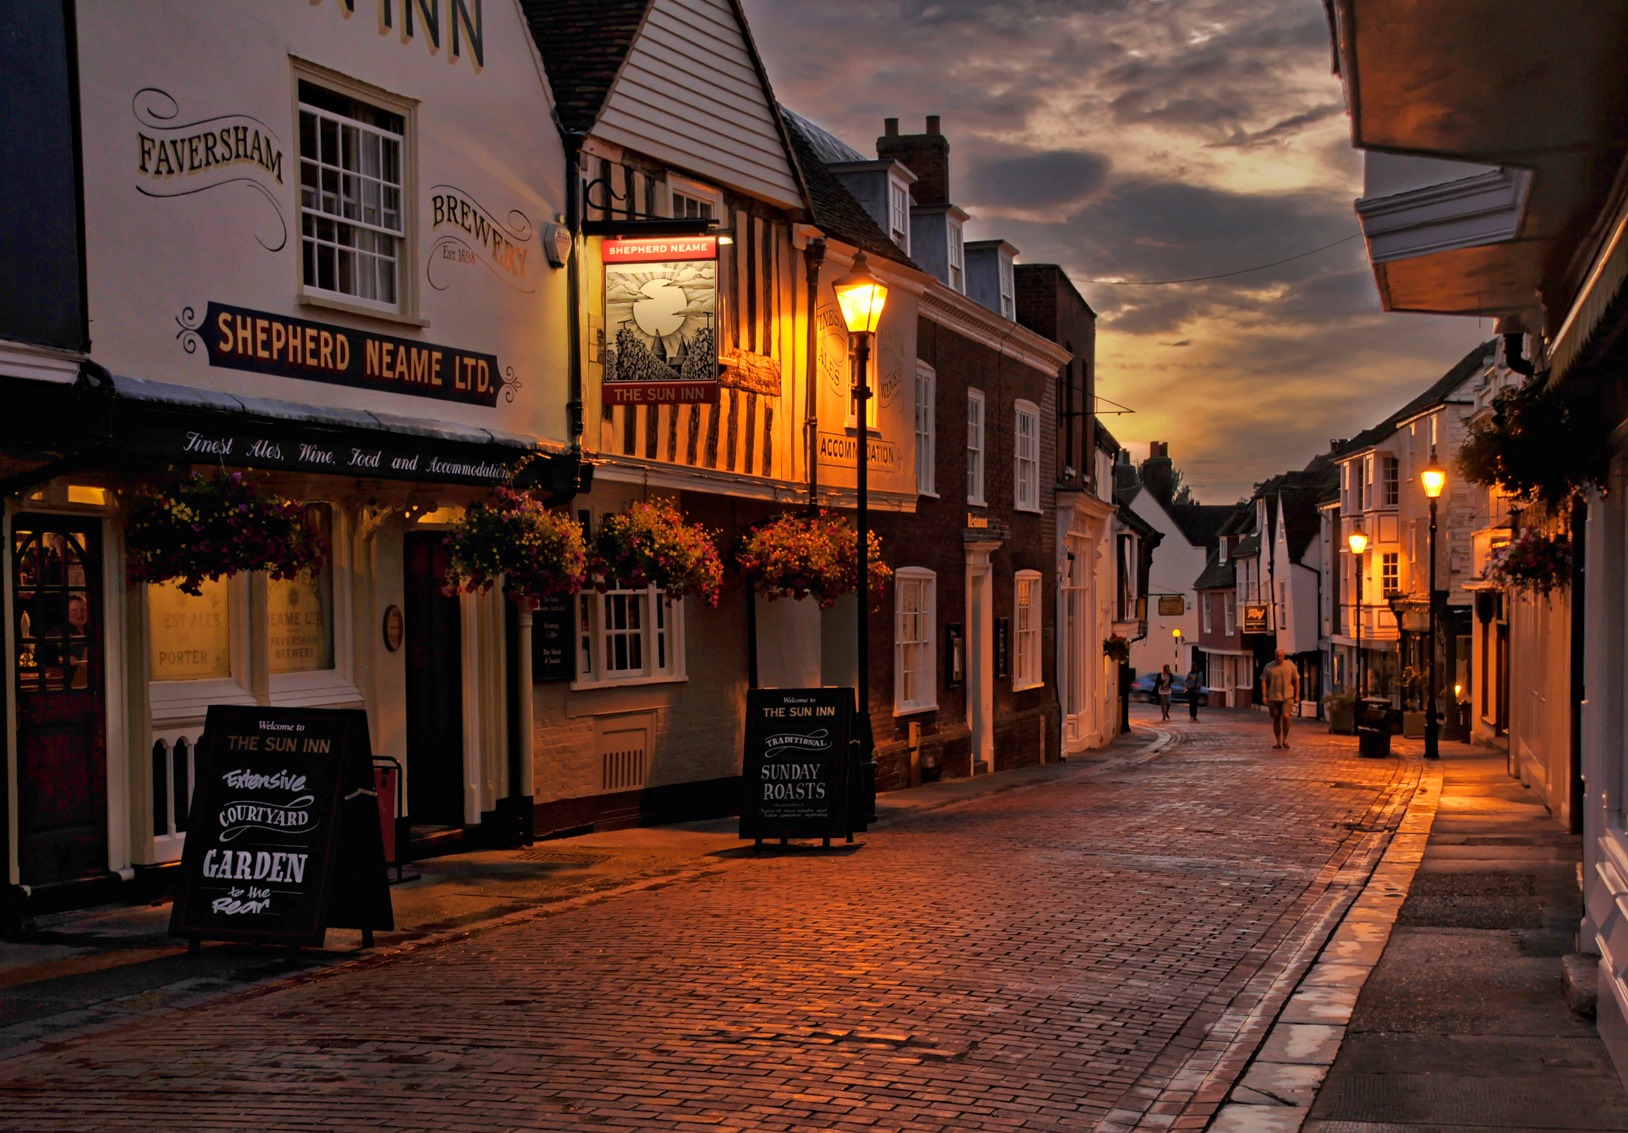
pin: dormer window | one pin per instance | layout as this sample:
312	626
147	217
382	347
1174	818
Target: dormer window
1221	548
957	257
898	213
1008	290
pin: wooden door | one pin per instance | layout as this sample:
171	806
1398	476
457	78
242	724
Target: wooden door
435	722
56	601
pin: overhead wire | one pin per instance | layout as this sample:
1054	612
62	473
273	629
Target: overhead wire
1224	274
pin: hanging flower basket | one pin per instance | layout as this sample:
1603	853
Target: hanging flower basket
1538	446
651	544
1532	562
199	527
1116	648
802	556
537	551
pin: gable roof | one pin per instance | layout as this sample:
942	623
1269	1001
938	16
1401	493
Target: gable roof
1217	575
583	45
1435	394
835	209
675	80
1199	522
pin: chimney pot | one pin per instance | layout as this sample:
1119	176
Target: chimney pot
932	124
890	127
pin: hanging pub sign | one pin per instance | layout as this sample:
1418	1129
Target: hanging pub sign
1172	605
284	838
795	772
1255	617
661	320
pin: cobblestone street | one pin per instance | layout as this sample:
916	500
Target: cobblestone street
1104	951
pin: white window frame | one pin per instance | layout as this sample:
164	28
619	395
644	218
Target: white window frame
926	430
957	256
1204	611
898	212
1229	609
399	235
1390	480
975	447
1390	573
660	628
682	194
915	645
1025	456
1026	614
1008	289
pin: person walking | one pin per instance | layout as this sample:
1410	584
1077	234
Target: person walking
1164	686
1280	688
1191	686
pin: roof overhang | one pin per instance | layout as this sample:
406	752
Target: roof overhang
1529	97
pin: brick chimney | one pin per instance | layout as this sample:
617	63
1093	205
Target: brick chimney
927	155
1159	473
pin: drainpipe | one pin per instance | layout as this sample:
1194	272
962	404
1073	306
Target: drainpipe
573	292
813	258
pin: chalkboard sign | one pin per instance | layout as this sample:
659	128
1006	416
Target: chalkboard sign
553	652
284	837
796	768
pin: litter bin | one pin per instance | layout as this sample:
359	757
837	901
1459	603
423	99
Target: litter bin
1373	726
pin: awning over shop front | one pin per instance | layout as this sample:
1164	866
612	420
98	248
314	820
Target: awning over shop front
106	420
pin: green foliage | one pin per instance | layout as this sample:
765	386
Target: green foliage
198	527
651	544
537	551
1538	446
799	556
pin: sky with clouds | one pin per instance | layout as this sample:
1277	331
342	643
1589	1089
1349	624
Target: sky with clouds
1134	141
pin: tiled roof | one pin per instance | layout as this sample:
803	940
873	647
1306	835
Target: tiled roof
583	44
1437	393
835	209
1217	575
1200	522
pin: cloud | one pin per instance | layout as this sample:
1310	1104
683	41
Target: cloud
1148	140
1056	180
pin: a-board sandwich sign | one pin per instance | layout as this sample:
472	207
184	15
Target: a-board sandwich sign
283	839
795	772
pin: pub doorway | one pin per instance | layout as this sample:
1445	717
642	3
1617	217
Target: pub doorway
56	604
435	726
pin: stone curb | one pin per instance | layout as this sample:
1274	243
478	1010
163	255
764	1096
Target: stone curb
1276	1093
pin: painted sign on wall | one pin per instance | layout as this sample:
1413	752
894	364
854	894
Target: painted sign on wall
241	339
661	316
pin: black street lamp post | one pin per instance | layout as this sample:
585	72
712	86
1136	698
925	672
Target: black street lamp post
1358	542
862	297
1433	479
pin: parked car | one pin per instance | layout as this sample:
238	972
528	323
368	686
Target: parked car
1143	688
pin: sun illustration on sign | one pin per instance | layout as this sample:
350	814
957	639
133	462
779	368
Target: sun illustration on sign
659	315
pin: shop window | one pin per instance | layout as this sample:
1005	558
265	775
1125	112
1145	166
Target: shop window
629	636
1026	630
353	220
300	613
915	672
189	636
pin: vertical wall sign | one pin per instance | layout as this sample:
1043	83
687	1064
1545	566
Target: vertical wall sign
661	314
